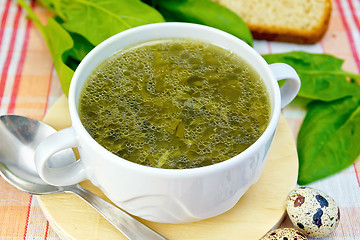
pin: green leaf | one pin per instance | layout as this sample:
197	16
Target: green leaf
72	63
59	42
329	138
321	75
81	47
97	20
204	12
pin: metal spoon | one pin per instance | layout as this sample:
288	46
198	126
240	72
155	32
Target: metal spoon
19	137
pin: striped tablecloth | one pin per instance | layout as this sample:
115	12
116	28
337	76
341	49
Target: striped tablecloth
29	86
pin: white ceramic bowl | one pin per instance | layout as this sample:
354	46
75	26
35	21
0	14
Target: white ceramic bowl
166	195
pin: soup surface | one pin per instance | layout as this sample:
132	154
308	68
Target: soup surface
175	103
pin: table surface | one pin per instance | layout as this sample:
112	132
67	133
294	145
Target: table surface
29	86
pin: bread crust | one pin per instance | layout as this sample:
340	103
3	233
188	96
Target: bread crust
287	33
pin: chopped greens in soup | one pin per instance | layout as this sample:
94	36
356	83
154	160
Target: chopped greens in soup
175	103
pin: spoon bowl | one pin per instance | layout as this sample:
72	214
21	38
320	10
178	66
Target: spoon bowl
19	138
21	135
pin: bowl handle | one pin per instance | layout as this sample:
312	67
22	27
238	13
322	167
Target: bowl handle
291	87
67	175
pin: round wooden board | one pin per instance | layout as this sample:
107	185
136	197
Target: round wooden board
261	209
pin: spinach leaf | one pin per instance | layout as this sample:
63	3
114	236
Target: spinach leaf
329	138
204	12
97	20
321	75
59	42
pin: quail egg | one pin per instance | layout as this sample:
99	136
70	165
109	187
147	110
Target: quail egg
312	211
284	234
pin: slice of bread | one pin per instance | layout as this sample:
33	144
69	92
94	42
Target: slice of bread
298	21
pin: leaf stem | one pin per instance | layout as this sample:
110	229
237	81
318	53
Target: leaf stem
31	13
341	73
352	75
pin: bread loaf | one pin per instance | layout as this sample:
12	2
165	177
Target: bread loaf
298	21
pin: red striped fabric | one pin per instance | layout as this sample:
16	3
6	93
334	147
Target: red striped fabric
28	217
28	87
20	66
354	45
46	230
5	69
349	32
353	13
4	19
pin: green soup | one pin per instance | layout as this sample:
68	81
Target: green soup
175	103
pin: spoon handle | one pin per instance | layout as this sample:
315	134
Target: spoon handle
129	226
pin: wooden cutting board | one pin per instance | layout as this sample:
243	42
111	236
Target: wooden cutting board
258	211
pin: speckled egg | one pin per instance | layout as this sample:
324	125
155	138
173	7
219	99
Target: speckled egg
284	234
312	211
